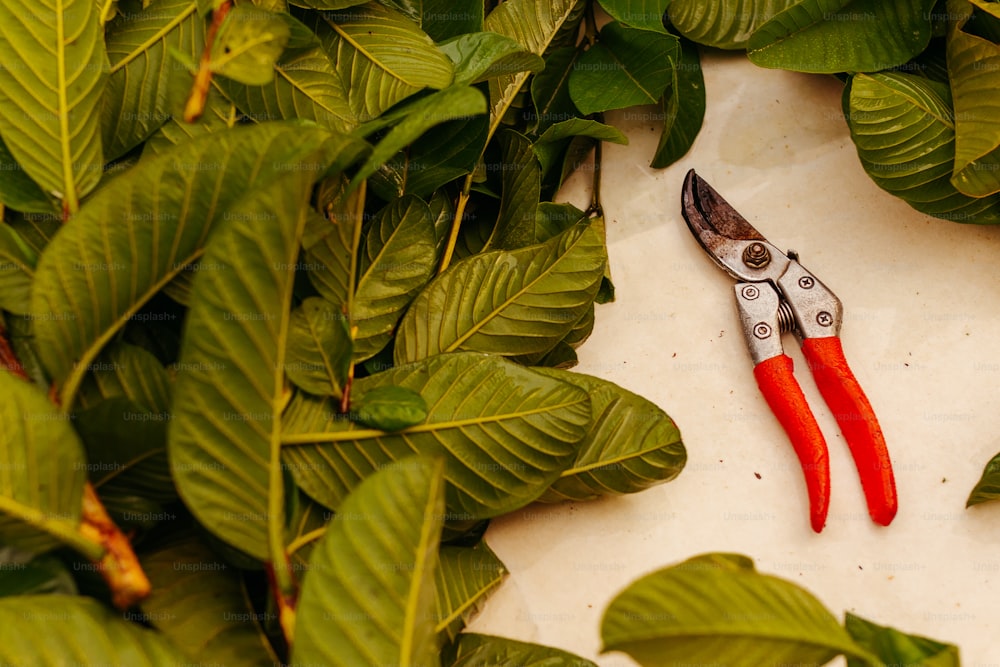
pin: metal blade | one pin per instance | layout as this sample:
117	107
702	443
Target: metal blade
726	236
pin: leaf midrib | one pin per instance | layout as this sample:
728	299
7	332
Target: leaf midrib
494	313
357	434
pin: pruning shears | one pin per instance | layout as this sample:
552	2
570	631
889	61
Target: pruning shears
776	294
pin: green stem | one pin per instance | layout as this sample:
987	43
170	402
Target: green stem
595	207
63	530
456	224
303	540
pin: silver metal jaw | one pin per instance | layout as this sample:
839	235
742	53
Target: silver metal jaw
804	305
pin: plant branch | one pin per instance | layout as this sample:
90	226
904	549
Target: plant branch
203	78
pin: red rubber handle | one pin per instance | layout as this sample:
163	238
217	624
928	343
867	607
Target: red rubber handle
854	414
784	395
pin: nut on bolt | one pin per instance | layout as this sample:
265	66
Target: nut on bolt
756	255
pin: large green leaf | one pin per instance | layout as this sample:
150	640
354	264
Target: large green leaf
631	445
368	598
465	577
506	302
551	145
534	24
520	177
224	439
506	433
896	648
550	89
306	86
723	25
833	36
17	190
131	240
718	608
68	630
475	650
626	67
903	130
382	57
988	486
318	357
17	268
146	84
396	261
644	14
974	74
55	66
219	114
683	106
443	19
42	472
451	103
199	602
480	56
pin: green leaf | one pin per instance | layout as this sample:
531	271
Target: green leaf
830	36
631	444
988	486
389	408
896	648
128	371
17	268
131	240
505	431
306	86
43	575
642	14
396	262
452	150
506	302
327	4
330	242
552	144
443	19
520	175
717	607
224	438
199	602
50	93
64	629
248	44
474	650
465	577
480	56
383	58
723	25
973	64
683	106
903	130
624	68
550	89
318	356
534	25
42	472
220	114
146	85
383	542
448	104
17	190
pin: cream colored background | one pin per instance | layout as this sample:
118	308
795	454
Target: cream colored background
921	331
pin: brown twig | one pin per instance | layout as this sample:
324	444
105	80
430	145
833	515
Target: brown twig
203	78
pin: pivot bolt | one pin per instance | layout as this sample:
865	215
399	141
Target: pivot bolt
750	292
761	330
756	255
806	282
824	318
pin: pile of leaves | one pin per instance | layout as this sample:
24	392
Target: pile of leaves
288	309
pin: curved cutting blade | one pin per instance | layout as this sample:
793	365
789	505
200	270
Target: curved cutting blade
726	235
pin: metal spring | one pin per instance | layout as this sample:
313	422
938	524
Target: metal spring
786	320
